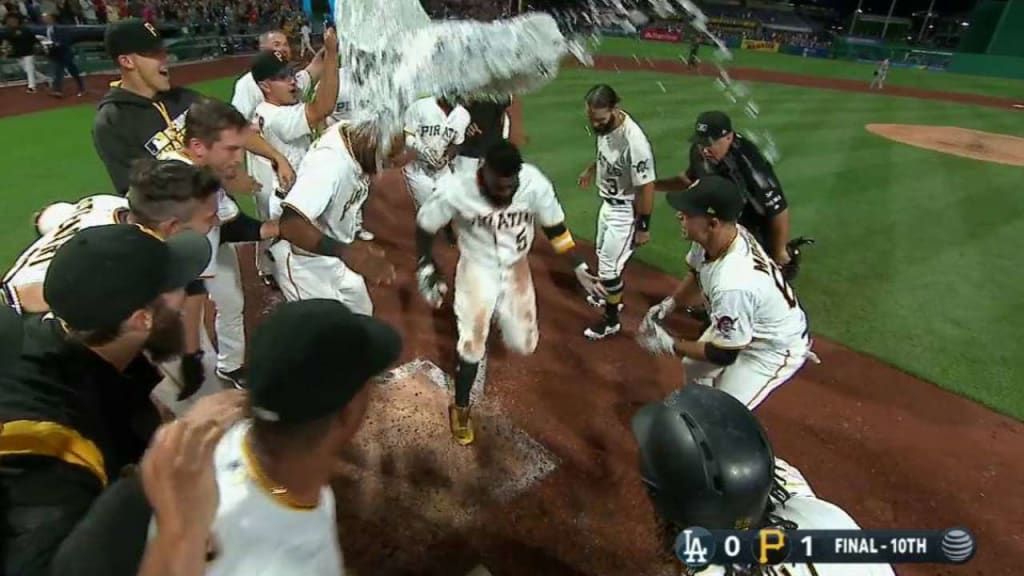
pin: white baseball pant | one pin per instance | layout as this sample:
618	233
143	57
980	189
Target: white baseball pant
225	290
421	185
484	294
303	277
266	201
755	374
28	64
306	45
616	224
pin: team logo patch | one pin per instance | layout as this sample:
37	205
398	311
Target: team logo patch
725	325
702	128
641	166
280	55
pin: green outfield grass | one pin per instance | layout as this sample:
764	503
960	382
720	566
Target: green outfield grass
916	257
844	69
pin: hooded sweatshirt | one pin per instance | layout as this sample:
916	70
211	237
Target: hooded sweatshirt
128	127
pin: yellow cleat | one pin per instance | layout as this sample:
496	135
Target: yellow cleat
461	423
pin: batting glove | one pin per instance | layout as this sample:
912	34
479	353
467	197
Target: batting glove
661	310
430	284
653	338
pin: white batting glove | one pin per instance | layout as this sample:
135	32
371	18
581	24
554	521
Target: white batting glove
430	284
653	338
661	310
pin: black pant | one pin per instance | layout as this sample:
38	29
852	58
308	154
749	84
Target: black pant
58	64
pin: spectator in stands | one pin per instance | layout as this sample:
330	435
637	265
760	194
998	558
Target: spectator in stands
62	57
23	45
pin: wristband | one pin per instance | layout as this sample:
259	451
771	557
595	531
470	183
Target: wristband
643	222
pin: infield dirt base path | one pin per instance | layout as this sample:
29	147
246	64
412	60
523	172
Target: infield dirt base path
894	451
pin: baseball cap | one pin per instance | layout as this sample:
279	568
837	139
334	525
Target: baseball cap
103	274
132	36
309	358
270	64
710	196
711	126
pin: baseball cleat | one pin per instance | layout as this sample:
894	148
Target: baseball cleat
603	329
236	377
461	424
365	235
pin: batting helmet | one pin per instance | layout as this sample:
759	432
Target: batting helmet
705	460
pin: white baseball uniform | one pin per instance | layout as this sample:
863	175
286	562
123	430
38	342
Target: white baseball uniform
255	533
625	163
329	191
246	97
224	283
430	130
30	267
492	278
348	99
305	32
809	512
287	130
752	310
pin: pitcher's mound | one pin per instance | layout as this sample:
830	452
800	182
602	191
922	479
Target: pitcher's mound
404	459
973	144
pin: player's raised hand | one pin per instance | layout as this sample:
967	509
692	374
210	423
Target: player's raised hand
221	408
178	476
430	284
330	40
285	174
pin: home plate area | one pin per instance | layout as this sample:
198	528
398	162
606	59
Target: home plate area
404	458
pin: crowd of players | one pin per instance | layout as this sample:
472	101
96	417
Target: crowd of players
97	478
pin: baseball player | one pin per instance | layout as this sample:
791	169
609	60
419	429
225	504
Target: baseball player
283	119
318	222
165	197
434	128
706	461
758	337
880	74
215	135
625	182
347	110
494	212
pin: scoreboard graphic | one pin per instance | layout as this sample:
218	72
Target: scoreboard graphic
698	548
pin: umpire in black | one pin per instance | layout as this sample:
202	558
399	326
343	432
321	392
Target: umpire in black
717	149
76	406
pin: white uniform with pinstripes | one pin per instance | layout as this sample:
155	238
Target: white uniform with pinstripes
625	162
330	189
752	310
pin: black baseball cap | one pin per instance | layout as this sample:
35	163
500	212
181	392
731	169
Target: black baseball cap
711	126
309	358
710	196
270	64
103	274
132	36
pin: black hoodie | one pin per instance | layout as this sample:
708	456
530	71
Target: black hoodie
128	127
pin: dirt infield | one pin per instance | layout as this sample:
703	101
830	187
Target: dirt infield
973	144
892	450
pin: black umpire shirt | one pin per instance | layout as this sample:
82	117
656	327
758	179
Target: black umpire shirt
23	42
750	170
72	425
128	126
489	117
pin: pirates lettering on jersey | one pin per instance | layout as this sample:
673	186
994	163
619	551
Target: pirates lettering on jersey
436	130
170	138
611	168
505	220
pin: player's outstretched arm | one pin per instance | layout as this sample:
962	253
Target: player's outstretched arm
678	182
300	232
778	232
587	176
429	281
326	96
644	207
257	145
316	66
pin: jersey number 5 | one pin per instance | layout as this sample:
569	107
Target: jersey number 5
521	240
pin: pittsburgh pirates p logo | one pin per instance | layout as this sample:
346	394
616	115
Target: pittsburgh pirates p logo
151	29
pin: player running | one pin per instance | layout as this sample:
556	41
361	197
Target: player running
625	184
706	461
494	212
758	337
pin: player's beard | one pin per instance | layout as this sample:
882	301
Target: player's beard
167	338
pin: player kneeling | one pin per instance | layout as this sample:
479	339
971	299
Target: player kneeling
758	337
320	219
493	211
706	461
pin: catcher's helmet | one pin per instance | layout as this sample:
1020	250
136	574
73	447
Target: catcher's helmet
705	459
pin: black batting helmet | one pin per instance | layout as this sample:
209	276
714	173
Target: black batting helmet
705	460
